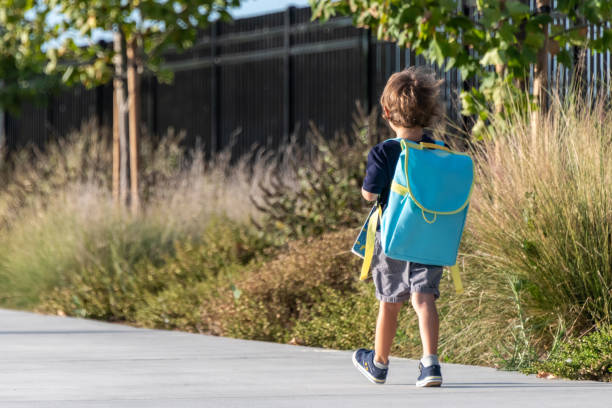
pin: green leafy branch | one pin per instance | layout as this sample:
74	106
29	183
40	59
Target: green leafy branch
494	42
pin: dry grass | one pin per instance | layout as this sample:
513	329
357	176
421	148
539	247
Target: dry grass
541	216
57	212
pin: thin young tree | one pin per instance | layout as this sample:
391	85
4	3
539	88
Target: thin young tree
143	30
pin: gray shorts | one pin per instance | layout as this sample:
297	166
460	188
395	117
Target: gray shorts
395	280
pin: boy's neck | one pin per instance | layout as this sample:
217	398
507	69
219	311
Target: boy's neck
414	134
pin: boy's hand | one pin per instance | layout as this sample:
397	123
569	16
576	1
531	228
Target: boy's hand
368	196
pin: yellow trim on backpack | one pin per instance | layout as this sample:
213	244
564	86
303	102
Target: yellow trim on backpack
399	189
454	272
424	145
426	220
420	146
370	240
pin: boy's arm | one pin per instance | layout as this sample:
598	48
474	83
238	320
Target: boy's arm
367	195
376	178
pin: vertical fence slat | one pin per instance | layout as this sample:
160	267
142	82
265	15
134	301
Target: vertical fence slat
215	145
287	75
366	60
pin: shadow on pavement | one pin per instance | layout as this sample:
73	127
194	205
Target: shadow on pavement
552	384
65	332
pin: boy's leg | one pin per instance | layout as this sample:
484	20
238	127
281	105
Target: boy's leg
386	327
425	306
391	279
430	374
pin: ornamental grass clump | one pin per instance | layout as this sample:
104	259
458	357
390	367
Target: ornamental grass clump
541	215
67	248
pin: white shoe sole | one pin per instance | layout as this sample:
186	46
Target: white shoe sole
430	382
365	372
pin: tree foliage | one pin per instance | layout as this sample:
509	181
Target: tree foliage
57	38
156	24
496	44
21	62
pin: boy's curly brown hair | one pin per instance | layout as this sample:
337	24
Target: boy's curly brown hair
411	97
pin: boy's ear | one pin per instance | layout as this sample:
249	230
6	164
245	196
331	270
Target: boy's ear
386	112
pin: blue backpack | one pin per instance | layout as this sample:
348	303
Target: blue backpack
427	207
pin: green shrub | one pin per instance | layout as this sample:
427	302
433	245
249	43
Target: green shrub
586	358
319	192
339	320
124	269
177	306
265	303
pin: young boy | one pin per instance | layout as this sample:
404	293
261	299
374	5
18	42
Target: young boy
410	103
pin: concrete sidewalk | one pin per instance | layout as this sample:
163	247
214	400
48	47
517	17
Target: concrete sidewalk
48	361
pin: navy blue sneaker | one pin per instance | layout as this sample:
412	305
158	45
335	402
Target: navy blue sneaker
429	376
364	361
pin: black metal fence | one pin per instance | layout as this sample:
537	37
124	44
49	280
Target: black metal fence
257	81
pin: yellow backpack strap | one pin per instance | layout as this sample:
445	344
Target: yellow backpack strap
454	272
370	240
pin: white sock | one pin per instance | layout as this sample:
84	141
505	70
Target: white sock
429	360
380	366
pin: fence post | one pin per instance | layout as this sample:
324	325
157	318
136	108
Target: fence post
467	122
215	143
288	82
579	68
152	105
367	63
44	138
2	127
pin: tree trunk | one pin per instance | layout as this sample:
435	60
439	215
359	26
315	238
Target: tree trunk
467	122
2	127
500	69
120	117
521	82
579	71
2	132
134	101
540	72
115	146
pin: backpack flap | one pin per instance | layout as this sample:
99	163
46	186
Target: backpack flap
439	180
